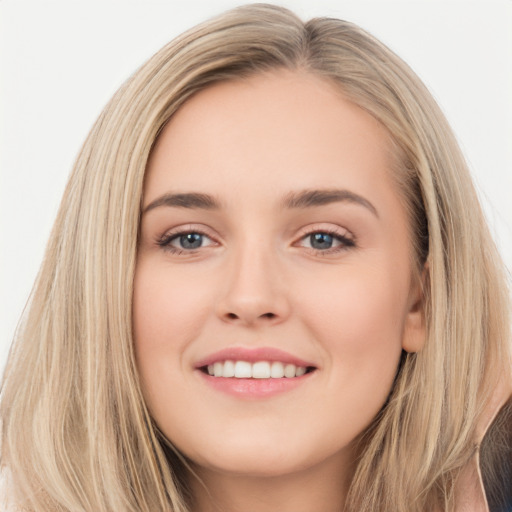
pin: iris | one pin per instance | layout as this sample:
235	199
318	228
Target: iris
191	241
321	240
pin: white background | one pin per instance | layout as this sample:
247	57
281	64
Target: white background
60	61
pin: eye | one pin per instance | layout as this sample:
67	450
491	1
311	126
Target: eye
326	241
184	241
321	240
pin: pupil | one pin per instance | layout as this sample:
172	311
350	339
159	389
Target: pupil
191	240
321	240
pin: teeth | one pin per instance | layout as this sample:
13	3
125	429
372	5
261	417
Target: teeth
243	370
217	369
259	370
289	370
229	369
300	371
277	370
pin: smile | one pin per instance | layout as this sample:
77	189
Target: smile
257	370
254	373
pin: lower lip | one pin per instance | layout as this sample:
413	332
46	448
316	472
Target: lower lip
255	388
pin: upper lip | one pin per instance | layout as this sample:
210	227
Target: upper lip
252	355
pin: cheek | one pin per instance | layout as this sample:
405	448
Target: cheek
356	300
166	308
358	318
167	313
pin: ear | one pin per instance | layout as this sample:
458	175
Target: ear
415	330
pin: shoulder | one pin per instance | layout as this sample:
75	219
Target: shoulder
485	483
496	460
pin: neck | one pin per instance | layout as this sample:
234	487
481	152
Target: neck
321	488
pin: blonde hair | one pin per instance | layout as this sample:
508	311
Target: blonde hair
76	434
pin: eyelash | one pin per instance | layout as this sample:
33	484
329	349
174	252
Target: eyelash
165	241
346	243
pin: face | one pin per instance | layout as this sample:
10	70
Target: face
273	240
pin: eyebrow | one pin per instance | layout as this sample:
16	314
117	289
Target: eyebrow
310	198
301	200
185	200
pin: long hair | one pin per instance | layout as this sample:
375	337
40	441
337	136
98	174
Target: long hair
76	434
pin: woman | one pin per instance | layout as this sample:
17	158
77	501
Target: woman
264	290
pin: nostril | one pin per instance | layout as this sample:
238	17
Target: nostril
230	316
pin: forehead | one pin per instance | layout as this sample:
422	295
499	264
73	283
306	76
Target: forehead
270	132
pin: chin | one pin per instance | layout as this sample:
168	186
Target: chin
256	465
258	456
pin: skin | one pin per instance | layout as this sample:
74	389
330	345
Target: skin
257	281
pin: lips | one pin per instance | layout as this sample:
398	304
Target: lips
254	373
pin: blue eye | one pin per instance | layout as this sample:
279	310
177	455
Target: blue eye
327	242
190	240
185	241
321	240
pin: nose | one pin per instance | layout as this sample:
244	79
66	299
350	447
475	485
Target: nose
255	290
